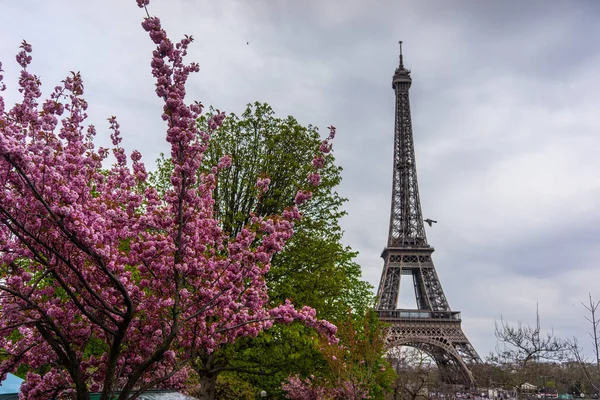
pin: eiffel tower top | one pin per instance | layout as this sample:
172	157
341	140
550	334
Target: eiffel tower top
406	220
402	75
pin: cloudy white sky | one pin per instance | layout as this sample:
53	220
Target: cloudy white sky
505	102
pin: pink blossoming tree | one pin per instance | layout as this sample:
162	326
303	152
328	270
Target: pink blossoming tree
106	285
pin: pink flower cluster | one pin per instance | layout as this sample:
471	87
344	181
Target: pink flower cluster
296	388
310	388
314	178
102	278
225	162
262	184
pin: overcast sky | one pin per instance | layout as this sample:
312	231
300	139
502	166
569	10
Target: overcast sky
505	101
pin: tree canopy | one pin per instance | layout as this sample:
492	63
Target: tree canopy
314	268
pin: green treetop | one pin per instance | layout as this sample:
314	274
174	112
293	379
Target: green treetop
314	268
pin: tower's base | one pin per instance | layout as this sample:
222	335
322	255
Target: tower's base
437	333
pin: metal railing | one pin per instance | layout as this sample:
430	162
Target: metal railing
418	314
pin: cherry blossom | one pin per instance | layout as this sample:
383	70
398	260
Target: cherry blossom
105	284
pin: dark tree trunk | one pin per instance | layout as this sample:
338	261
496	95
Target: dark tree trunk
208	386
81	389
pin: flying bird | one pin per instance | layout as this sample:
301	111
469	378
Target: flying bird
247	42
430	221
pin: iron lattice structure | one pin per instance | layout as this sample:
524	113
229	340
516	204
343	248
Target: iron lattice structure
433	327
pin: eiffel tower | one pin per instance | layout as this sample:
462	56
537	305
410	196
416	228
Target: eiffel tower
433	327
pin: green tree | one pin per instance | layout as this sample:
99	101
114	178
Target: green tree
228	388
314	269
356	366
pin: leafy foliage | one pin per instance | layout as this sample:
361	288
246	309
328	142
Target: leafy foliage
356	366
313	269
357	363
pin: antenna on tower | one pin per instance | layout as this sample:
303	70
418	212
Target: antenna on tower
401	61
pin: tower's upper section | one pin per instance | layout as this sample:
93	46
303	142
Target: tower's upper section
402	79
406	220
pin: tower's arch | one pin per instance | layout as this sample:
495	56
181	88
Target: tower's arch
450	364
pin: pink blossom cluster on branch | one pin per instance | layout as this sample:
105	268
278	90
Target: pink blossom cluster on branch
296	388
105	284
310	388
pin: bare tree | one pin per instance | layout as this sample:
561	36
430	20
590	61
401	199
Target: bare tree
591	370
523	350
415	372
